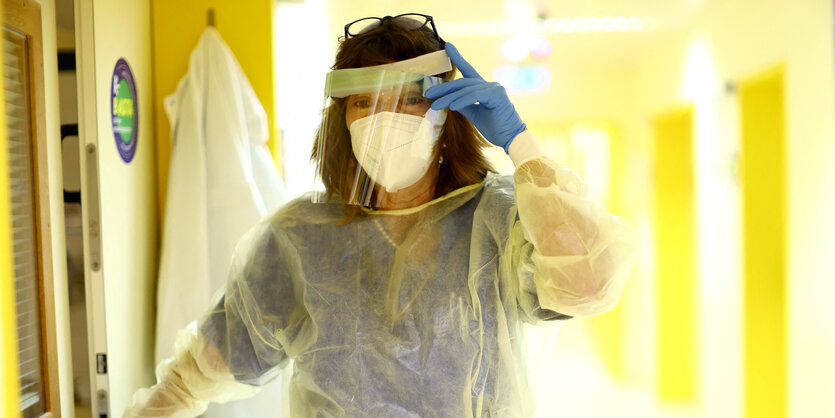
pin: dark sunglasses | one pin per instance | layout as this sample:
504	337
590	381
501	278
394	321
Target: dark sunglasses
412	20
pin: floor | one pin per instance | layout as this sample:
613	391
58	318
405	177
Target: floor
569	381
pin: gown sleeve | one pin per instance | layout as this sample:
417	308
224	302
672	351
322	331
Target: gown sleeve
235	347
569	255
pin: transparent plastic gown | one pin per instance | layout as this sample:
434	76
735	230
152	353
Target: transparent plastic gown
409	313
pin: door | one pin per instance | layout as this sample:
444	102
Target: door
764	205
116	148
675	260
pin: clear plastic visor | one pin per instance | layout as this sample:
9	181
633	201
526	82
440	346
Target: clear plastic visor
377	137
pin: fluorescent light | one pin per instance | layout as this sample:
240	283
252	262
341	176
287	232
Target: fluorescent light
515	49
523	79
550	26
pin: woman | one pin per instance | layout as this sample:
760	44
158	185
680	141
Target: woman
400	291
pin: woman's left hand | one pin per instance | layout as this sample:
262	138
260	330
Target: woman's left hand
484	103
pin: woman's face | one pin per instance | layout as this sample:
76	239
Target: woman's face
405	99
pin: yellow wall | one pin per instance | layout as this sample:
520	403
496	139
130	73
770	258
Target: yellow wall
610	329
246	26
675	254
764	210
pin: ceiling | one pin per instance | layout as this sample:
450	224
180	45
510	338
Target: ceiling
583	66
667	12
577	49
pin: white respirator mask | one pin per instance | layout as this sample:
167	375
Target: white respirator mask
395	149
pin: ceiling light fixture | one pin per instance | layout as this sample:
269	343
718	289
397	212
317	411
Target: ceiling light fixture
552	26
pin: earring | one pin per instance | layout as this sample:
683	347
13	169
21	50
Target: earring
441	160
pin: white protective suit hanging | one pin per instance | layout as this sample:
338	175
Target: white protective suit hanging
221	182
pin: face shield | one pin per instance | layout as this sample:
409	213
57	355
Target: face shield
378	133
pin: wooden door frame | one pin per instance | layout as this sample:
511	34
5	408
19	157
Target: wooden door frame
24	16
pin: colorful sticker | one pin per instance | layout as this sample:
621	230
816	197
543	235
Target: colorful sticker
124	110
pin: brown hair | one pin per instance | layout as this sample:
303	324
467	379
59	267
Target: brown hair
459	144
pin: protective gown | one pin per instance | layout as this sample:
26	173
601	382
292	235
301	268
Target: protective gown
408	313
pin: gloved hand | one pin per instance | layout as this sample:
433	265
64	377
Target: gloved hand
493	114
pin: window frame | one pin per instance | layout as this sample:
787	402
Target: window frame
24	16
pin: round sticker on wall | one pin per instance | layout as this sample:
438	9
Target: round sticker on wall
124	110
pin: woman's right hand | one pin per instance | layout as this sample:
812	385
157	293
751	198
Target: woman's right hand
188	381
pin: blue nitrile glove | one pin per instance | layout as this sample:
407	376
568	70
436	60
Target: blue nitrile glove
494	116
